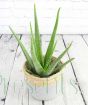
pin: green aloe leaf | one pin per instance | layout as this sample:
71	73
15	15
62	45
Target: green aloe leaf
31	30
50	50
37	38
39	69
57	61
33	37
37	64
28	58
49	59
62	65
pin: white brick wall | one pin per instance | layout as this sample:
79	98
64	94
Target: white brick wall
19	13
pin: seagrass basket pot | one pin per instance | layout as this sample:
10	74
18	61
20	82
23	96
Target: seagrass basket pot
43	88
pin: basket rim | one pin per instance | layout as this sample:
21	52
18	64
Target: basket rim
29	75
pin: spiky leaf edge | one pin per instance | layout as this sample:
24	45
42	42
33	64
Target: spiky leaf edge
61	66
37	39
50	49
39	69
28	58
51	67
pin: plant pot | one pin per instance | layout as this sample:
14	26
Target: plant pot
43	88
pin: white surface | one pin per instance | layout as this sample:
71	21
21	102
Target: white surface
18	14
80	51
17	92
85	69
6	63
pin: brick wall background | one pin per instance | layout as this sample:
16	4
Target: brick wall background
19	13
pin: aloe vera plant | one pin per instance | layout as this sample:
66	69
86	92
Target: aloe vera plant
37	63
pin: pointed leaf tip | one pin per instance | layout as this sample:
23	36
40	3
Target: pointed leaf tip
58	10
34	7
